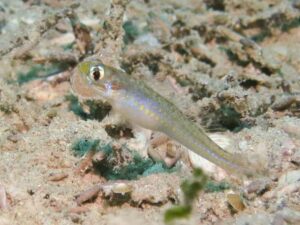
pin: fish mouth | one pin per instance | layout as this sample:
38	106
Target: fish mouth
99	87
83	87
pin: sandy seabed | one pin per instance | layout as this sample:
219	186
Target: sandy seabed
231	66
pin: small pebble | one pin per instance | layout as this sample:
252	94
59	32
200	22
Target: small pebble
243	145
14	138
79	209
296	158
147	39
283	103
58	177
259	186
289	178
88	194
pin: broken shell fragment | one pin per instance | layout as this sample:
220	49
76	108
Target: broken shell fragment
116	188
210	168
235	201
3	198
98	157
88	194
121	188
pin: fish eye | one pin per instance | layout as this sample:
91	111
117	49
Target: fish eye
96	73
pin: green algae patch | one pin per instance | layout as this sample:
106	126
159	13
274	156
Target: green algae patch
83	146
97	109
190	189
39	71
6	107
131	31
135	168
75	107
211	186
119	164
177	212
32	74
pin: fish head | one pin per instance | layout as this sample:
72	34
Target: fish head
93	79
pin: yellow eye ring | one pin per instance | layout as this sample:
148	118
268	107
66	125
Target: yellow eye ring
96	73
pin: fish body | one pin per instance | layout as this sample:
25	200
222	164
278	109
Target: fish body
141	105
